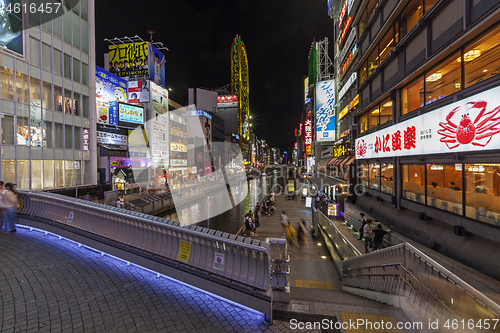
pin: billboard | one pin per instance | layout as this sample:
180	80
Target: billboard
109	89
227	101
129	59
159	100
206	100
11	27
465	126
306	91
138	91
130	114
159	124
156	65
325	111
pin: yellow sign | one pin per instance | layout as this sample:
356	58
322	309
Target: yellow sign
184	251
308	150
344	112
129	59
354	102
137	137
291	185
339	151
178	147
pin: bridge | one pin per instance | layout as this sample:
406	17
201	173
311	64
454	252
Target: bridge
254	272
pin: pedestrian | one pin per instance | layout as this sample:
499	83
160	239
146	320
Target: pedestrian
257	215
118	203
284	222
248	225
378	238
9	203
291	234
301	234
363	223
87	197
122	202
368	234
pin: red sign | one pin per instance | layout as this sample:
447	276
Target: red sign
342	13
295	132
229	100
308	135
346	27
85	139
295	145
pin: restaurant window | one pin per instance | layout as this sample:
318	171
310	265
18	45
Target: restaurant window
413	178
8	132
374	170
386	177
482	200
374	115
373	61
482	58
363	122
9	171
386	44
444	187
428	4
443	80
59	173
36	175
23	174
385	111
412	96
48	174
410	16
7	83
22	88
364	174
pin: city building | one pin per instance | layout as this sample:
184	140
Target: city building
47	98
428	147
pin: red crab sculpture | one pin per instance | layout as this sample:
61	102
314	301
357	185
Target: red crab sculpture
483	127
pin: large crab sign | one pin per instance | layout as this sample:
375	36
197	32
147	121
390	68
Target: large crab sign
479	132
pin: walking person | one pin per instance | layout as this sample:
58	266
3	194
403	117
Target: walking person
10	202
284	222
290	234
368	234
378	238
248	225
361	230
257	215
301	234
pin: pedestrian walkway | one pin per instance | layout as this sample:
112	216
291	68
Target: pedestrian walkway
316	287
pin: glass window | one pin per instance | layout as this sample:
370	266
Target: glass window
410	16
373	61
48	174
386	44
363	73
364	174
46	57
373	122
23	174
59	173
68	134
76	104
47	96
68	173
68	102
58	98
58	129
362	23
444	187
363	122
35	95
443	80
412	96
374	176
67	66
86	172
22	88
483	192
36	125
385	111
57	26
57	62
85	37
428	4
37	175
78	137
9	171
23	134
47	134
86	106
386	179
85	74
482	58
85	9
34	15
34	52
76	30
7	83
47	21
413	177
67	27
76	70
8	133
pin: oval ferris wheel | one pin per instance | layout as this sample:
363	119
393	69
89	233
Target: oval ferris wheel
240	87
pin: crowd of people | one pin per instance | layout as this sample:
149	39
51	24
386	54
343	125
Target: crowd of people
373	237
8	208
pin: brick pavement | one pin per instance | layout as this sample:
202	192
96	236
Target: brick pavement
52	285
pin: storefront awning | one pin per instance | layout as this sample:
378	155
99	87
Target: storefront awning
323	161
348	160
331	161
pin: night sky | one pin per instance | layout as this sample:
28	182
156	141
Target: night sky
277	35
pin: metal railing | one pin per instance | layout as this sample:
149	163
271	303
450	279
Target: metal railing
242	260
432	289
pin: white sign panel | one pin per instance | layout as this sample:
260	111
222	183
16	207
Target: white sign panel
325	111
138	91
468	125
111	138
347	85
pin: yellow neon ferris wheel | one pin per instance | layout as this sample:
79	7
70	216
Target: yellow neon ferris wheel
239	86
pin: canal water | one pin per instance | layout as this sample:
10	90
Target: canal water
231	220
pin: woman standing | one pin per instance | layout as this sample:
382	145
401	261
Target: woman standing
9	201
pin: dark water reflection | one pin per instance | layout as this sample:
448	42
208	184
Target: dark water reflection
231	220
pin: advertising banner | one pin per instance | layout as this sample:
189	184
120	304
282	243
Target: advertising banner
109	89
227	101
129	59
159	99
85	137
465	126
178	147
325	111
111	138
306	91
138	91
129	162
156	66
130	114
159	124
11	26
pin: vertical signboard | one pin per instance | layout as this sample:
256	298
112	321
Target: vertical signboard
325	111
159	126
306	91
156	66
308	135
